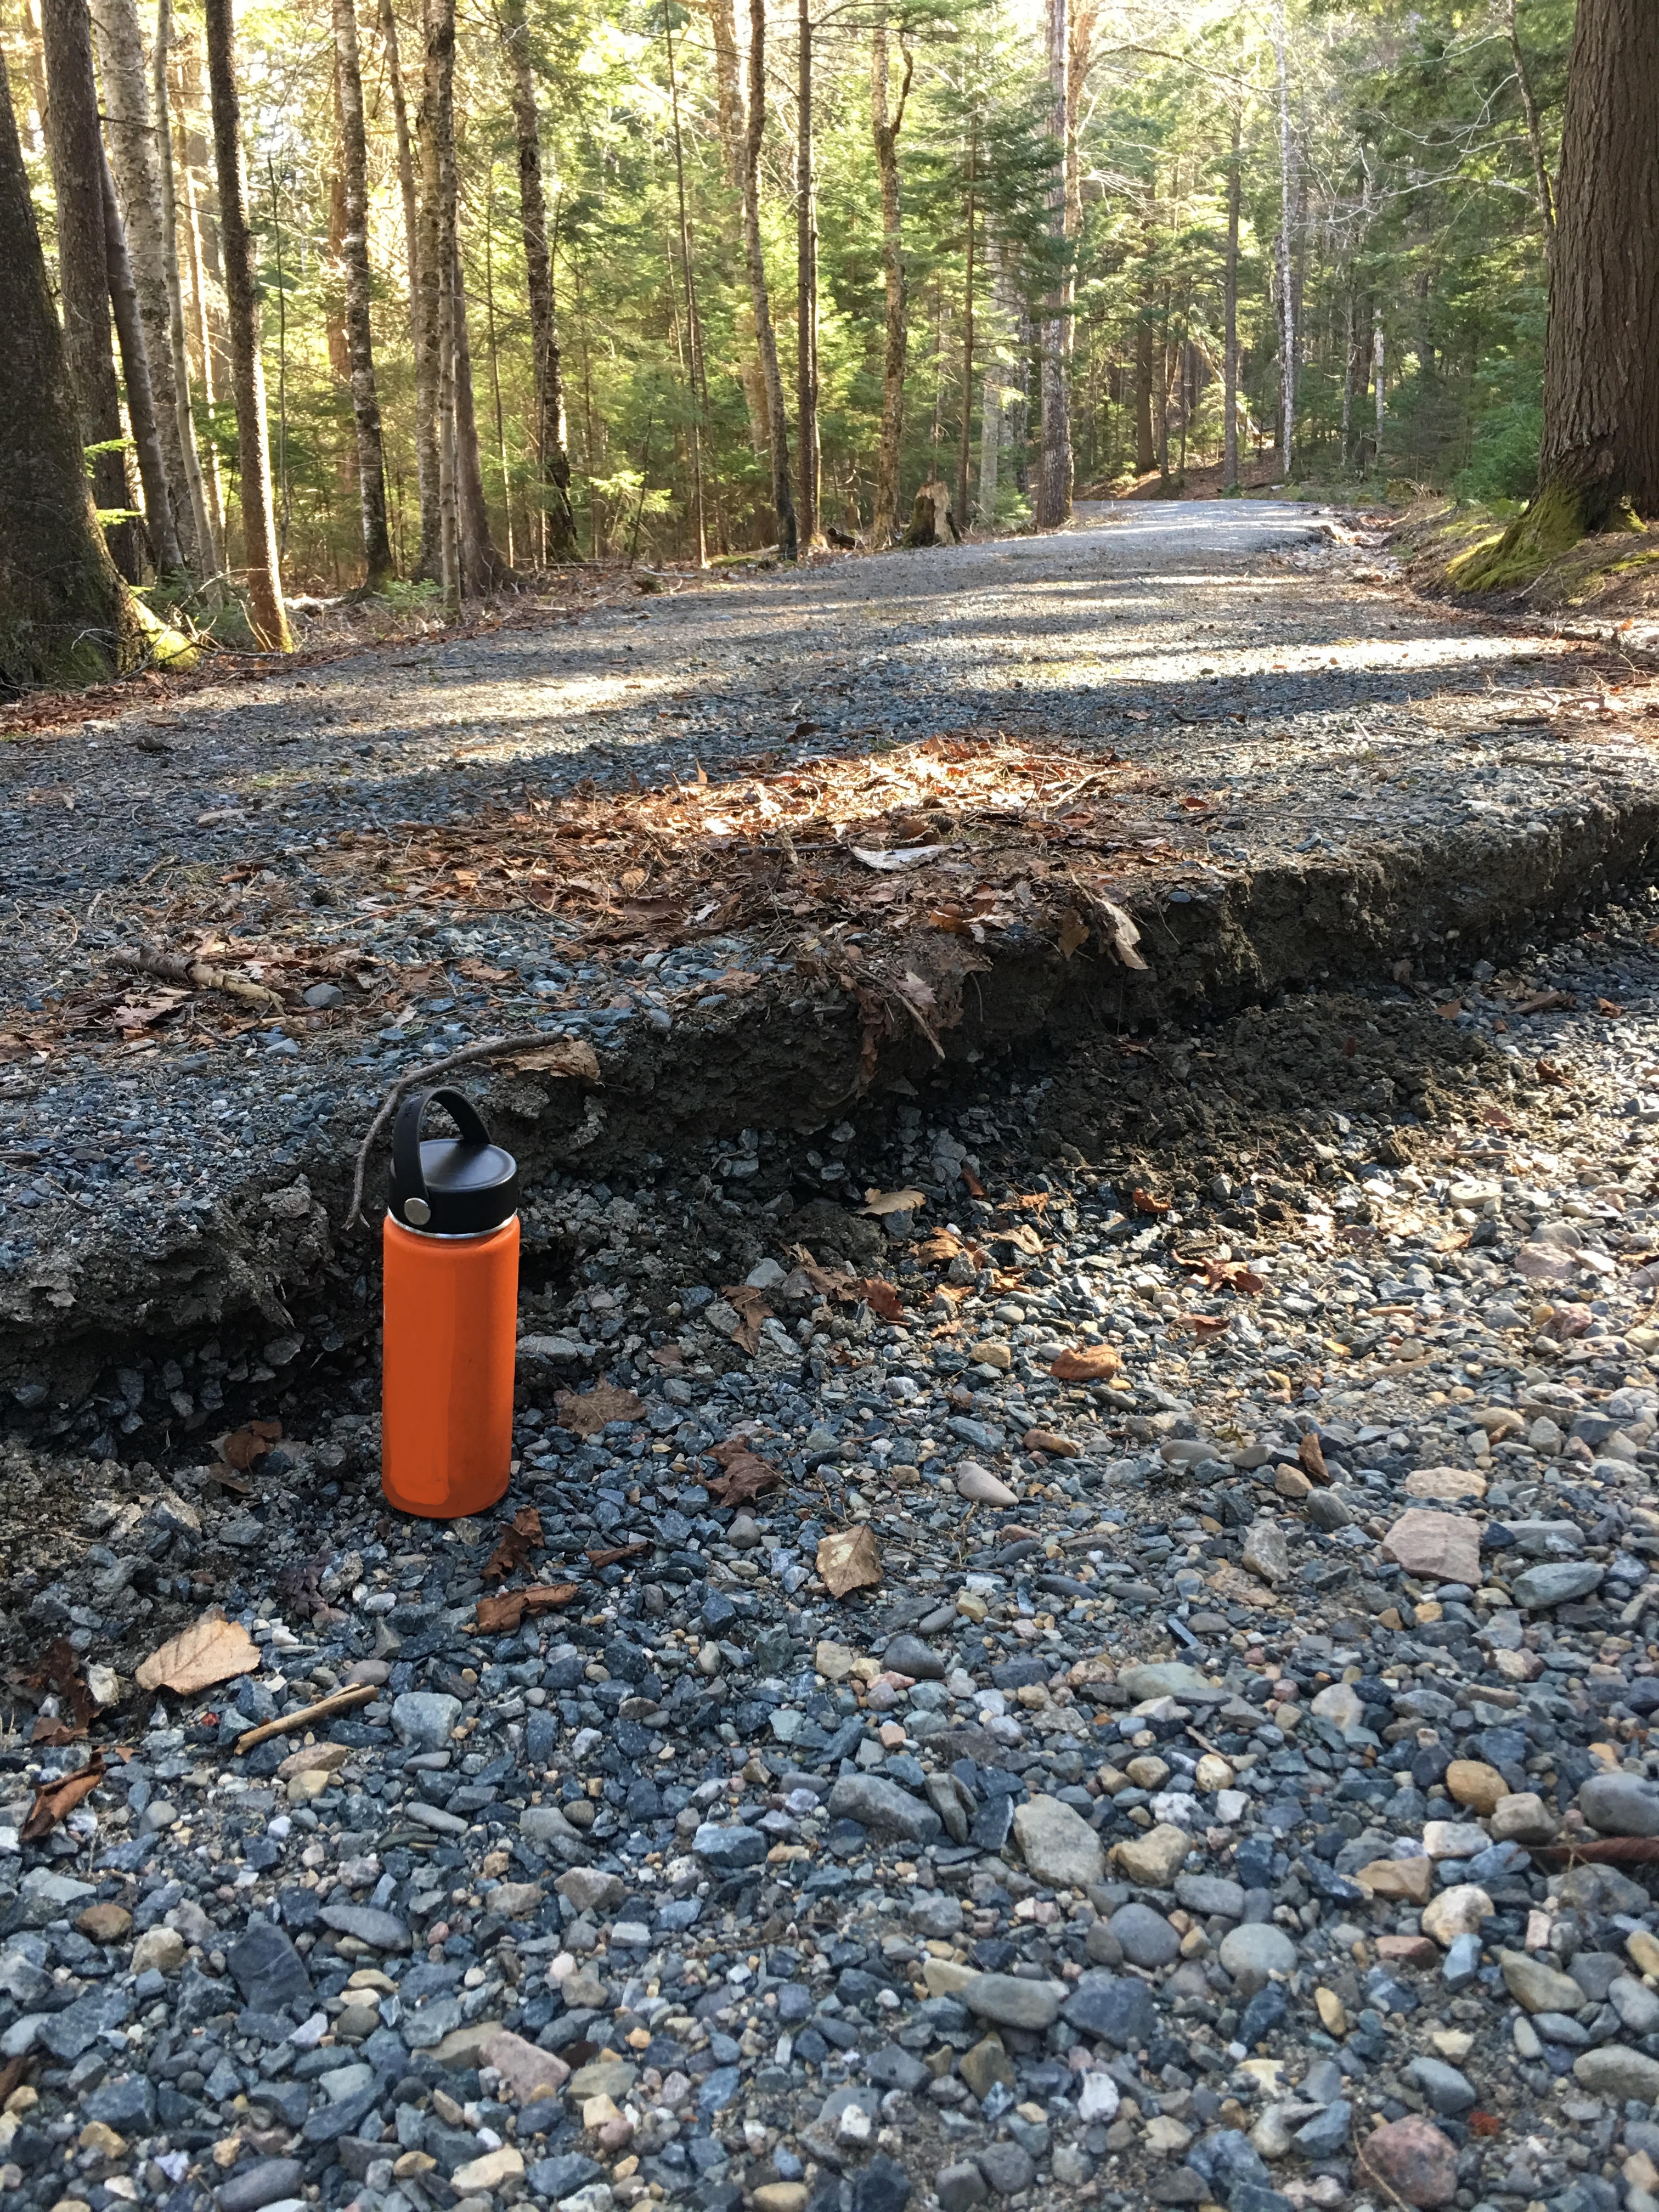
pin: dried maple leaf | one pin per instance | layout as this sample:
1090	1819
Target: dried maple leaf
881	1297
1085	1363
847	1560
746	1476
938	1248
1144	1202
242	1447
53	1801
514	1544
586	1413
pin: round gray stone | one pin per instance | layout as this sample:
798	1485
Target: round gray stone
1146	1936
1252	1953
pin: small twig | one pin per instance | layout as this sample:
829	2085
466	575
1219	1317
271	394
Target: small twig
360	1694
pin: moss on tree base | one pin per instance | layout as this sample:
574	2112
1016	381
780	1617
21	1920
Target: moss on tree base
1552	525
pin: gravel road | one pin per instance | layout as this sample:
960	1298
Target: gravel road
1246	1434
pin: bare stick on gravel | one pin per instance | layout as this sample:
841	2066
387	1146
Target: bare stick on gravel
179	968
359	1695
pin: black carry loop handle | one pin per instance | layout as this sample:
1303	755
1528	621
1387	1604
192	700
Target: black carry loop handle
461	1185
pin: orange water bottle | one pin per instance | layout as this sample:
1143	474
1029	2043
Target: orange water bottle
450	1307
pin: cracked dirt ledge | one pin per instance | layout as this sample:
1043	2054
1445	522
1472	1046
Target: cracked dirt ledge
271	1271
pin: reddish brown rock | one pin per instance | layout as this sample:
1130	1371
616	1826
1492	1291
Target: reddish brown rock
1407	1951
1411	2162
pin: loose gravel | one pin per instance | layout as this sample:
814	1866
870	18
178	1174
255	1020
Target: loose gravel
1165	1826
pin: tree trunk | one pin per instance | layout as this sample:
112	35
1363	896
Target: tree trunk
964	433
782	497
1377	372
205	349
268	614
552	457
693	320
426	416
1599	465
206	551
806	292
1229	312
483	568
135	147
77	175
990	398
141	399
65	614
1287	284
1053	499
360	343
1146	450
883	522
435	356
1540	174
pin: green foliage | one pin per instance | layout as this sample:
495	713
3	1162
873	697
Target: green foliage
1503	464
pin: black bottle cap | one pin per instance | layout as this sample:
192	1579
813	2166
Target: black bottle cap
460	1186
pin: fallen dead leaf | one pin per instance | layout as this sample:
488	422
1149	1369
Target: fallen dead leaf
54	1800
881	1297
847	1560
242	1447
1120	934
751	1310
878	1204
1086	1363
500	1614
617	1553
1144	1202
1311	1453
1204	1326
585	1413
514	1544
888	864
747	1474
213	1649
571	1056
1073	932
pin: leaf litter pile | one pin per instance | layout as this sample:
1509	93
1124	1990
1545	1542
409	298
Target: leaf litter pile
887	873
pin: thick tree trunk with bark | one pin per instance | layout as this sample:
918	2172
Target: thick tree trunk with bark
965	426
77	176
1054	498
552	455
1287	316
135	151
1599	465
783	500
65	616
206	553
141	400
1146	450
360	342
247	379
884	129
